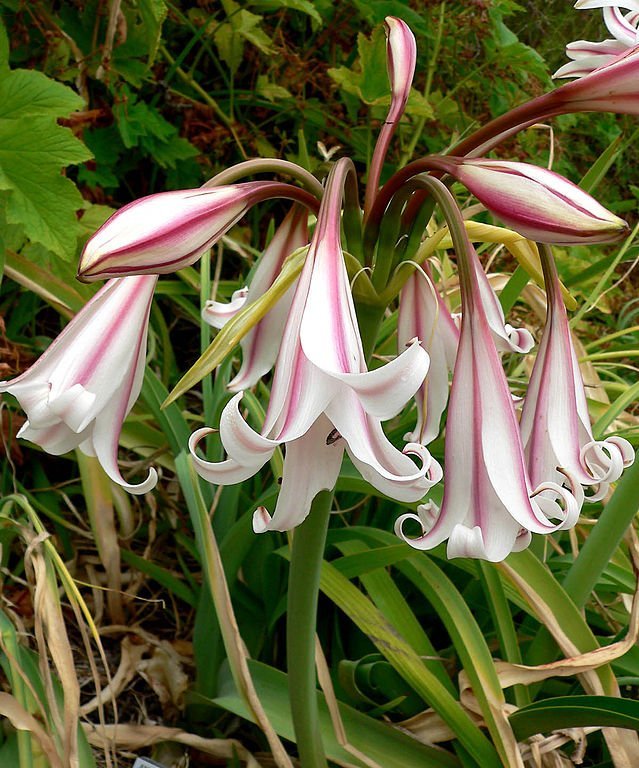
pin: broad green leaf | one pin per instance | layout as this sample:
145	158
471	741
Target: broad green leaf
153	14
387	746
271	91
40	199
575	712
141	125
370	80
27	93
242	26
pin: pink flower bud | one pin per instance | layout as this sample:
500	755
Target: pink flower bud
537	203
167	231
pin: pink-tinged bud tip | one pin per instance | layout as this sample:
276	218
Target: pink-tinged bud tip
401	59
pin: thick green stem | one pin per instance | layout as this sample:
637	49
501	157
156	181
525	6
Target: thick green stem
304	576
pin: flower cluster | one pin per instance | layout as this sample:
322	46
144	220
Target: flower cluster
506	475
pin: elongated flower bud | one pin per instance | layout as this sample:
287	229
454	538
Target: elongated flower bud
537	203
167	231
401	54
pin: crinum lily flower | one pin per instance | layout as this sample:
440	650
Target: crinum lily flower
424	315
489	508
587	56
162	233
261	344
323	398
78	393
555	424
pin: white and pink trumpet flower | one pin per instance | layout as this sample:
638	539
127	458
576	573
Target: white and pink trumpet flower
261	344
162	233
587	56
555	424
78	393
424	315
490	506
323	398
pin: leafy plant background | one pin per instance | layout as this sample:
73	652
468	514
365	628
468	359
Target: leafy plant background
101	103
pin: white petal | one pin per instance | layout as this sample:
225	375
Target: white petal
226	472
386	390
311	465
218	313
240	441
378	461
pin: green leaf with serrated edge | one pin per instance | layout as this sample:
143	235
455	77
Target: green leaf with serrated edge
153	13
242	26
370	80
26	93
271	91
385	745
40	199
575	712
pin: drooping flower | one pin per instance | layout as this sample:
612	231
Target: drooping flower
424	315
539	204
587	56
162	233
555	424
78	393
261	344
323	399
489	508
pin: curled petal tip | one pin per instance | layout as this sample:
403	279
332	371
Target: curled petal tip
144	487
426	517
261	520
197	436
